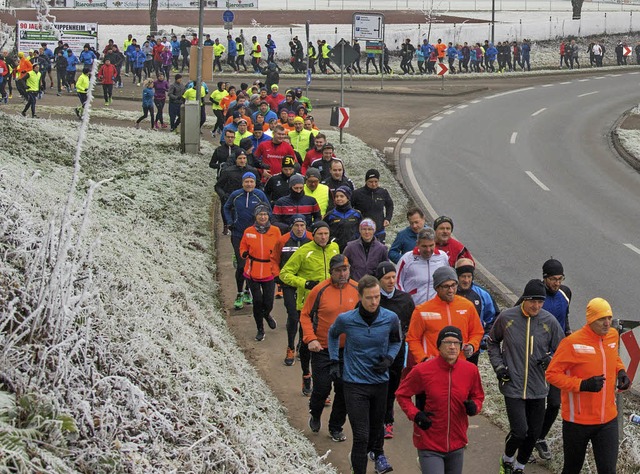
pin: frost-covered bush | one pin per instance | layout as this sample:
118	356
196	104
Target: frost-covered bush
109	321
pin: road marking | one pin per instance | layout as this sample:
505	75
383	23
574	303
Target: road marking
475	101
393	139
417	132
539	112
632	247
547	85
388	150
634	73
410	141
588	93
437	118
583	80
513	137
566	82
426	125
449	112
463	106
615	75
405	151
599	77
536	180
401	131
509	92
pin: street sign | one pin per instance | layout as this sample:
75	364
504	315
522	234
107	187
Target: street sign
228	25
228	16
374	47
630	352
441	69
626	50
343	117
350	54
368	26
308	76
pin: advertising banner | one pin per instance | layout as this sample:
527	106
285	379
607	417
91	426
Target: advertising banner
30	35
90	4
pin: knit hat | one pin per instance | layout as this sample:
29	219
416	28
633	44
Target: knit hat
318	225
368	223
442	275
449	331
465	265
274	87
338	261
241	152
534	290
552	267
383	268
288	162
442	220
246	143
313	173
298	218
598	308
372	173
261	208
346	190
298	119
295	179
254	97
248	175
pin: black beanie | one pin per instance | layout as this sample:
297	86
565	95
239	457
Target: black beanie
318	225
442	220
534	290
372	173
449	331
552	267
384	268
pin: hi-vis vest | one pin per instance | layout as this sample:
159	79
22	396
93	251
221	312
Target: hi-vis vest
33	81
256	51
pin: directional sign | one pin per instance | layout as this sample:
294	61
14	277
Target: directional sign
626	50
630	353
368	26
228	16
441	69
343	117
308	81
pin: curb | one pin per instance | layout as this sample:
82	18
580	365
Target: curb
614	140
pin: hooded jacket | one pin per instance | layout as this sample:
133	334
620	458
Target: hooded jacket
238	210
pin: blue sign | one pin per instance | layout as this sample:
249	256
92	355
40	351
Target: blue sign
308	76
228	16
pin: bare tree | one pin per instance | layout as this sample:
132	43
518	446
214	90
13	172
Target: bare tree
577	8
153	17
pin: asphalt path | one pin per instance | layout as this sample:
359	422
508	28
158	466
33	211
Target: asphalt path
529	174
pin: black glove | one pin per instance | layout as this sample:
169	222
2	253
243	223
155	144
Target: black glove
334	371
624	382
545	361
470	407
278	280
310	284
483	342
422	420
593	384
383	365
503	375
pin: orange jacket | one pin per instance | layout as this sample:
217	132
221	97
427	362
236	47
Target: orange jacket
431	316
24	66
226	101
580	356
260	264
441	48
333	301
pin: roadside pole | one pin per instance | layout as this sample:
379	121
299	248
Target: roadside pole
341	80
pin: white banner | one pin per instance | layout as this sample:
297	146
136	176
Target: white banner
30	35
90	4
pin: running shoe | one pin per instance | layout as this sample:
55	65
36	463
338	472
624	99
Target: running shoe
278	292
543	449
306	385
271	322
238	303
314	423
290	358
338	436
382	465
388	431
247	299
505	467
260	336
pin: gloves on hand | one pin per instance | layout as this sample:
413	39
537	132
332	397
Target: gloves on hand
470	407
483	343
383	365
423	420
545	361
310	284
335	373
592	384
624	382
468	350
503	375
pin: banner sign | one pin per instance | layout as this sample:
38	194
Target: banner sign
90	3
242	4
30	35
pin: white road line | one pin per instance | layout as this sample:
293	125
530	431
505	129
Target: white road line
615	75
588	93
437	118
599	77
566	82
633	73
405	151
417	132
509	92
632	247
448	112
401	131
463	106
513	137
393	139
536	180
583	80
426	125
410	141
539	111
475	101
388	150
547	85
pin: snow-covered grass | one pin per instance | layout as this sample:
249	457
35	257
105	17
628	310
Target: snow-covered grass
109	322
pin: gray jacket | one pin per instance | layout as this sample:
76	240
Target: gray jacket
518	343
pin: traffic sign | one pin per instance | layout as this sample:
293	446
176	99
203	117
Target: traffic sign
626	51
308	76
350	54
441	69
368	26
228	25
630	353
343	117
228	16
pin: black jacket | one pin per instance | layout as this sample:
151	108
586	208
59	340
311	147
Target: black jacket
375	204
230	179
402	304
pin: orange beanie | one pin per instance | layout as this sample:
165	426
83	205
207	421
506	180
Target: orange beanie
598	308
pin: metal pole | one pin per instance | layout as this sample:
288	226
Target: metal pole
493	20
382	68
306	27
341	80
199	59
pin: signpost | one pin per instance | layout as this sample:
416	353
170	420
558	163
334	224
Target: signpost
441	70
227	18
626	50
370	27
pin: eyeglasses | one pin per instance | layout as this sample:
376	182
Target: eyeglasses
556	279
449	287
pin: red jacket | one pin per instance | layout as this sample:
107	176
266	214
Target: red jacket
274	101
107	73
446	387
455	250
272	154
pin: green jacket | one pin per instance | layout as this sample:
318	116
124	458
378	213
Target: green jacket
309	263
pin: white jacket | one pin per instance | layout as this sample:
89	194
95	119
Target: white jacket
415	274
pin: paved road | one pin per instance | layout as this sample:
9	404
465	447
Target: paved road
529	174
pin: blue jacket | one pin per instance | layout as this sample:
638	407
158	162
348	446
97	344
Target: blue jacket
426	49
491	53
232	49
87	57
343	222
268	116
365	345
238	210
452	52
138	59
129	52
72	62
558	304
175	48
147	96
485	305
405	242
526	49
